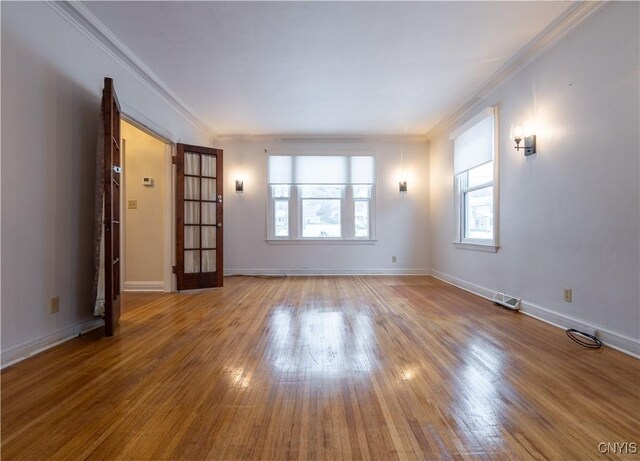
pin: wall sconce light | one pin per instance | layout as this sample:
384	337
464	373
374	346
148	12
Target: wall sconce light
239	185
403	186
529	145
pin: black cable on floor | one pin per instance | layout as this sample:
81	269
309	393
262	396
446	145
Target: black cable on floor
575	335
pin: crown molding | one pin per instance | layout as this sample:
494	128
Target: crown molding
563	25
88	24
326	138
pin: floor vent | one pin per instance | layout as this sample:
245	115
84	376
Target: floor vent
507	301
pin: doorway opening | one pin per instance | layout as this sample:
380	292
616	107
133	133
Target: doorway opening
146	210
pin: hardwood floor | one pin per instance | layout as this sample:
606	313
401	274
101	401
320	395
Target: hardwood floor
320	368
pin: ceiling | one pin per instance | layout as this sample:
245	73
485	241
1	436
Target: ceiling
325	67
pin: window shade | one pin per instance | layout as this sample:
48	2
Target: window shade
279	168
473	145
325	169
320	170
363	170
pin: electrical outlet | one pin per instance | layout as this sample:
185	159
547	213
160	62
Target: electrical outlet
393	259
55	305
133	204
568	295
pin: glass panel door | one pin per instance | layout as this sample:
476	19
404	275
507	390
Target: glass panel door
200	226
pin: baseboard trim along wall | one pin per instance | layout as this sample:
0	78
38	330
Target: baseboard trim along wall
617	341
324	272
14	354
144	286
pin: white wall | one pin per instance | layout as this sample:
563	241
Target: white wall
144	241
569	216
402	219
52	77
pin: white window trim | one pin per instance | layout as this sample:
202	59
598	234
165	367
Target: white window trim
324	241
483	245
295	204
486	248
271	224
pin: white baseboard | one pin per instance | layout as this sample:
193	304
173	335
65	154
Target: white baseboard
467	286
321	272
144	286
617	341
14	354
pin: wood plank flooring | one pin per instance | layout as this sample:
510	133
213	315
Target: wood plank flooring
333	368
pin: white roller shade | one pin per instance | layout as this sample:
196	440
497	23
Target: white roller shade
280	169
474	144
320	170
308	169
363	170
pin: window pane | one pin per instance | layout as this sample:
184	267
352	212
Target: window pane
362	218
191	261
321	218
480	175
208	237
208	213
191	188
208	165
191	213
362	191
208	189
191	163
192	236
281	221
321	191
479	214
280	191
209	261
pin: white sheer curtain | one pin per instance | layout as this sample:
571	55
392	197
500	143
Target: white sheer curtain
191	163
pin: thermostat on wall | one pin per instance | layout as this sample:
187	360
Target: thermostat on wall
147	181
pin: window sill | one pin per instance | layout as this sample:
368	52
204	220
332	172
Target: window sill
486	248
322	242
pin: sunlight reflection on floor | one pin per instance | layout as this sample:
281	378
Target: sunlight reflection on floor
328	342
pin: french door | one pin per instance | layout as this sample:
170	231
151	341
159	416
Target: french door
199	261
112	177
